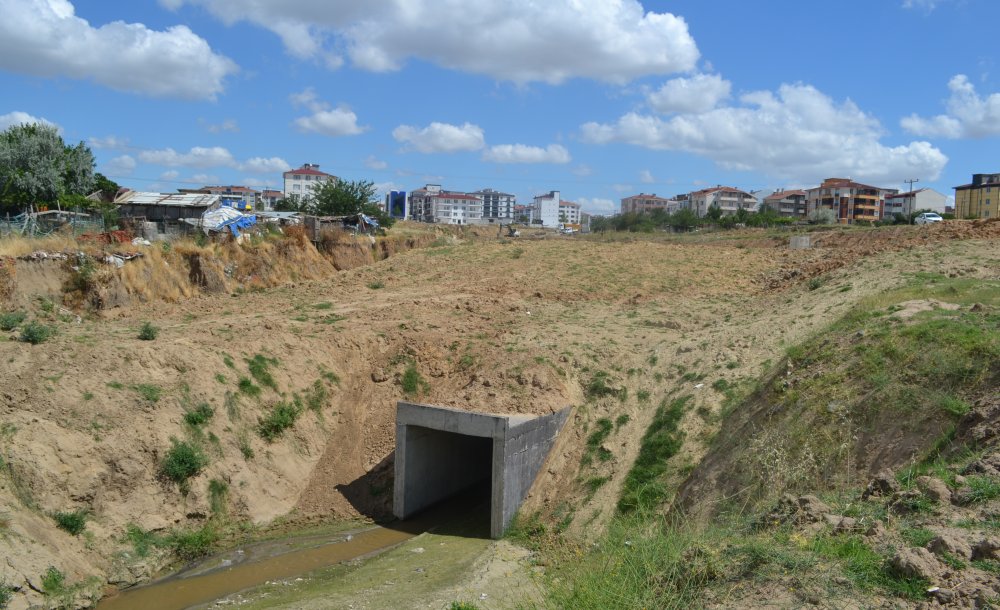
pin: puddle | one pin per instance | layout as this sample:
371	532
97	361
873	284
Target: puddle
239	570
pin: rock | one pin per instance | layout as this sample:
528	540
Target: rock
935	489
846	525
884	484
988	548
904	502
812	508
944	596
379	375
876	530
917	563
947	543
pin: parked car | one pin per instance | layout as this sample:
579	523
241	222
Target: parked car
927	218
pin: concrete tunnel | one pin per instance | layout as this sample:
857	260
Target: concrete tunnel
442	451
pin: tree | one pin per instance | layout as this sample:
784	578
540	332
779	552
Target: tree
292	203
107	187
37	166
714	213
823	216
346	197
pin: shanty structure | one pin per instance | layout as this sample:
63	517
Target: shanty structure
160	214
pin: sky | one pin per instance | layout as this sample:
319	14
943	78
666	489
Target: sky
599	99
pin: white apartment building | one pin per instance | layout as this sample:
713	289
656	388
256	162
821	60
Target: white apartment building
545	208
303	180
728	199
456	208
497	206
921	199
569	212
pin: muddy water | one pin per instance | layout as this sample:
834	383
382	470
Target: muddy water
203	585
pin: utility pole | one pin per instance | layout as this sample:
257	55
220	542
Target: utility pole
911	182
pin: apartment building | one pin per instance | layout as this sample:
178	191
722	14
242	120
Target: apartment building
791	204
545	209
643	204
850	201
978	199
422	202
302	181
497	206
726	198
909	202
569	212
457	208
269	197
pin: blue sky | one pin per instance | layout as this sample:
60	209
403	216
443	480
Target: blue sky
599	99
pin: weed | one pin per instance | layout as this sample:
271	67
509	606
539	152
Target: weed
260	366
463	606
815	283
6	594
281	417
88	395
141	540
116	385
917	536
192	544
148	332
228	361
10	321
621	420
71	522
412	382
983	488
53	581
377	284
323	305
330	376
34	333
652	360
149	391
594	483
199	415
604	427
642	396
516	252
599	387
867	568
218	495
246	449
221	378
247	387
643	490
182	461
317	396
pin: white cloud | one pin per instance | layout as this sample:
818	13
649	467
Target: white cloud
46	38
922	5
206	179
197	157
646	177
19	118
516	40
325	120
583	170
968	116
230	125
120	166
799	134
383	188
700	93
377	164
260	165
597	205
622	188
108	143
170	174
520	153
441	137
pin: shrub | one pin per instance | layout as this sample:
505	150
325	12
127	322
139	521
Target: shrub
183	461
72	522
192	544
281	417
377	284
10	321
148	332
6	594
199	415
53	581
35	333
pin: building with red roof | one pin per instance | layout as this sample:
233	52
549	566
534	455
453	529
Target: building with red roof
302	181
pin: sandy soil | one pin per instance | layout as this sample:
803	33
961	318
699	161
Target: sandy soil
515	326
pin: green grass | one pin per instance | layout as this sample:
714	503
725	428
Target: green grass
916	536
72	522
866	568
148	332
644	488
149	391
281	417
6	594
983	488
194	543
599	386
11	320
412	382
34	333
260	369
199	416
376	285
247	387
142	541
53	581
218	496
182	461
317	396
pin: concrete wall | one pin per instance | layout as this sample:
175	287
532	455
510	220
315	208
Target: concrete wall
441	451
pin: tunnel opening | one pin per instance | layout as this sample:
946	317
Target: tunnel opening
444	453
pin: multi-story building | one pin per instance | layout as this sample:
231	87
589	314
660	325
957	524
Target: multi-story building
850	201
909	202
302	181
269	197
979	199
522	213
643	203
545	209
497	206
791	204
726	198
457	208
569	213
422	202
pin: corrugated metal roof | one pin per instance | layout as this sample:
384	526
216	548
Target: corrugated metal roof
179	199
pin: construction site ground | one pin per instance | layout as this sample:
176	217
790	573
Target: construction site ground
488	324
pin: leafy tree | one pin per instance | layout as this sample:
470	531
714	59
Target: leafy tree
742	216
346	197
714	213
684	219
37	166
292	203
109	188
823	216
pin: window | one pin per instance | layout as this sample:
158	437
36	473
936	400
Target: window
296	177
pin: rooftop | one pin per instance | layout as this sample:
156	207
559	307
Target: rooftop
177	199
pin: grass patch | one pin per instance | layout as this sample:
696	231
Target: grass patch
11	320
376	285
218	497
182	461
412	382
866	568
53	581
260	369
192	544
73	522
983	488
150	392
281	418
148	332
199	416
34	333
317	396
247	387
599	387
644	488
141	540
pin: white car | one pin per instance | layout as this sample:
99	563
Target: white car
927	218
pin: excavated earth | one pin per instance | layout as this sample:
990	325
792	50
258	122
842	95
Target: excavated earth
507	326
